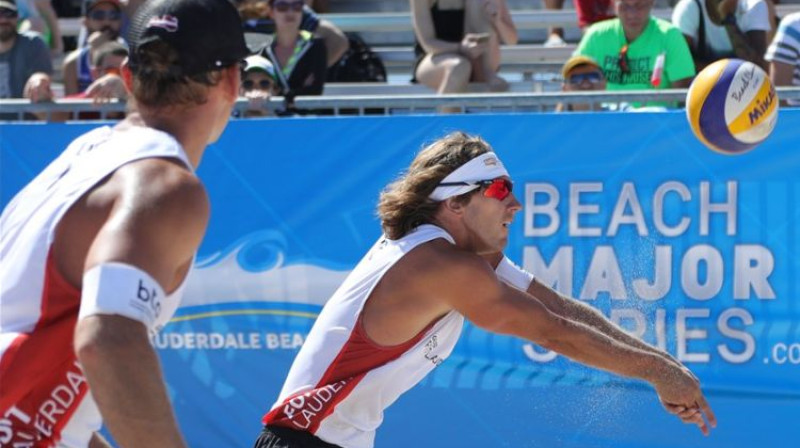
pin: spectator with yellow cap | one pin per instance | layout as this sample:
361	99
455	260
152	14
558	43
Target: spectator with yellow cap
581	74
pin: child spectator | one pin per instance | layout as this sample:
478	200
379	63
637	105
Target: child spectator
258	85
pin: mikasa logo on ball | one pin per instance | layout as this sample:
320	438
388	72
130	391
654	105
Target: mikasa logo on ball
762	107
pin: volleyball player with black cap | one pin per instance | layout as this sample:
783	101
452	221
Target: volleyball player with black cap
96	249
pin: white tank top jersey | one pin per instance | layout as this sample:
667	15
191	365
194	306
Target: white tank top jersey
341	382
44	397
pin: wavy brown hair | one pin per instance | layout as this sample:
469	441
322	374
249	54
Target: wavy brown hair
157	82
405	204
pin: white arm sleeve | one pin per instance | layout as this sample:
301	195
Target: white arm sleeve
513	275
118	288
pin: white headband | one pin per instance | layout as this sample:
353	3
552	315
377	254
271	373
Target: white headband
486	166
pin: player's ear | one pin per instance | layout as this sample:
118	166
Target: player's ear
454	205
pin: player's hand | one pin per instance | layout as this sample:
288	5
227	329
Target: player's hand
680	394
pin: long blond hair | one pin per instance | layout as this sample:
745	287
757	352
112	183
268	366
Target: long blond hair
405	203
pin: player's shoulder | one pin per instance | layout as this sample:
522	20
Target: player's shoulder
441	259
163	185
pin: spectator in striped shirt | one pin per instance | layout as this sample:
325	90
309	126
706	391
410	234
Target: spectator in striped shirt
783	54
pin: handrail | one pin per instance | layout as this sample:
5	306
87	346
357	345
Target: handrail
390	104
401	21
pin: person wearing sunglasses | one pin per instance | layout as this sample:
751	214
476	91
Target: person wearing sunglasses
299	58
258	85
97	248
581	74
256	18
637	51
400	312
103	22
25	65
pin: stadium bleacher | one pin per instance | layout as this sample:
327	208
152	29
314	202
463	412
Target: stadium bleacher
386	26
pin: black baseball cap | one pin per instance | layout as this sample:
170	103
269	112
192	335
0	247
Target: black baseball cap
206	34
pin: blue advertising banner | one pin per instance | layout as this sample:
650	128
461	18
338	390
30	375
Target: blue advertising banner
694	251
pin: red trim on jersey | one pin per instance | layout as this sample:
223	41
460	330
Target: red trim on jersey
358	356
39	369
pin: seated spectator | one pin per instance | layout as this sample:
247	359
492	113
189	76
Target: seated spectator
298	57
258	85
458	42
717	29
107	83
581	73
783	54
256	14
637	50
25	66
103	21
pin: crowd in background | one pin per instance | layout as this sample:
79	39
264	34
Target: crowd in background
458	43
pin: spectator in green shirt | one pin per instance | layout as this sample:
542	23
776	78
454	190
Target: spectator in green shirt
638	51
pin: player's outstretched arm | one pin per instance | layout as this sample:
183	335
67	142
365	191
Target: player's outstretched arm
496	307
581	312
147	244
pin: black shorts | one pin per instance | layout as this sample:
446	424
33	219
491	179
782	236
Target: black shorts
282	437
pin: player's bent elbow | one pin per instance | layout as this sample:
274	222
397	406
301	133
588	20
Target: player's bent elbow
99	338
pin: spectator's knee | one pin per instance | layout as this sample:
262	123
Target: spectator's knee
457	74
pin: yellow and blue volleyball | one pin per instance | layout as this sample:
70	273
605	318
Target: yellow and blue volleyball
732	106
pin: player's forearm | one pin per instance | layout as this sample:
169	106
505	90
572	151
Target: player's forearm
587	345
125	379
584	313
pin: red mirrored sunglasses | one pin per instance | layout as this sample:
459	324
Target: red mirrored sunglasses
498	188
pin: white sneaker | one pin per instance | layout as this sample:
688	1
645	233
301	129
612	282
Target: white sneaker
554	40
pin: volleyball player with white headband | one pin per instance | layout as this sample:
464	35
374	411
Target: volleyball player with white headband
400	311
